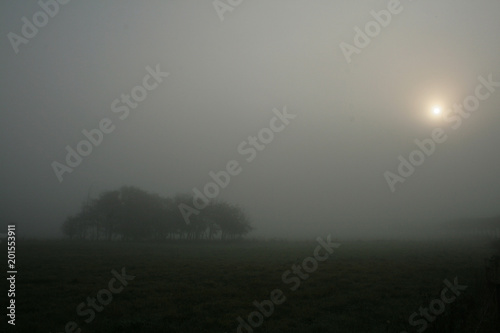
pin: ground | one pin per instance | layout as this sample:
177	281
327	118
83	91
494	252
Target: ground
364	286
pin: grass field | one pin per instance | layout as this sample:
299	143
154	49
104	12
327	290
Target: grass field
364	286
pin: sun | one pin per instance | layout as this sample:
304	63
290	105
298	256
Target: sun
434	109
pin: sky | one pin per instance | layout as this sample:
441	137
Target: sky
354	107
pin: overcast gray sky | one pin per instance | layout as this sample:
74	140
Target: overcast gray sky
324	172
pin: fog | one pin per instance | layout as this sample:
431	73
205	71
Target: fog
324	169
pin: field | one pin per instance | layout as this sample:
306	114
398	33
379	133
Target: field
363	286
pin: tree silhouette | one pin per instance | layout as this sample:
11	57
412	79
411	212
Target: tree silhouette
130	213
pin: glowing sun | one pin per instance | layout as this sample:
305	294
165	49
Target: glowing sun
436	110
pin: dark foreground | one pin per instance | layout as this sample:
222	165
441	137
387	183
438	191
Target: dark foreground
373	286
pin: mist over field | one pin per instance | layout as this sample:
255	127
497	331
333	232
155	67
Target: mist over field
215	155
323	173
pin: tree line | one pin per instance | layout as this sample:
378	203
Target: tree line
130	213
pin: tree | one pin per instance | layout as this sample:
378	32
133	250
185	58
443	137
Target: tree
132	213
230	219
70	227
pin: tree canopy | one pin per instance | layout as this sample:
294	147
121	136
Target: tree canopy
130	213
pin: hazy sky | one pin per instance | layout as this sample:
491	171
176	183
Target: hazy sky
323	173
